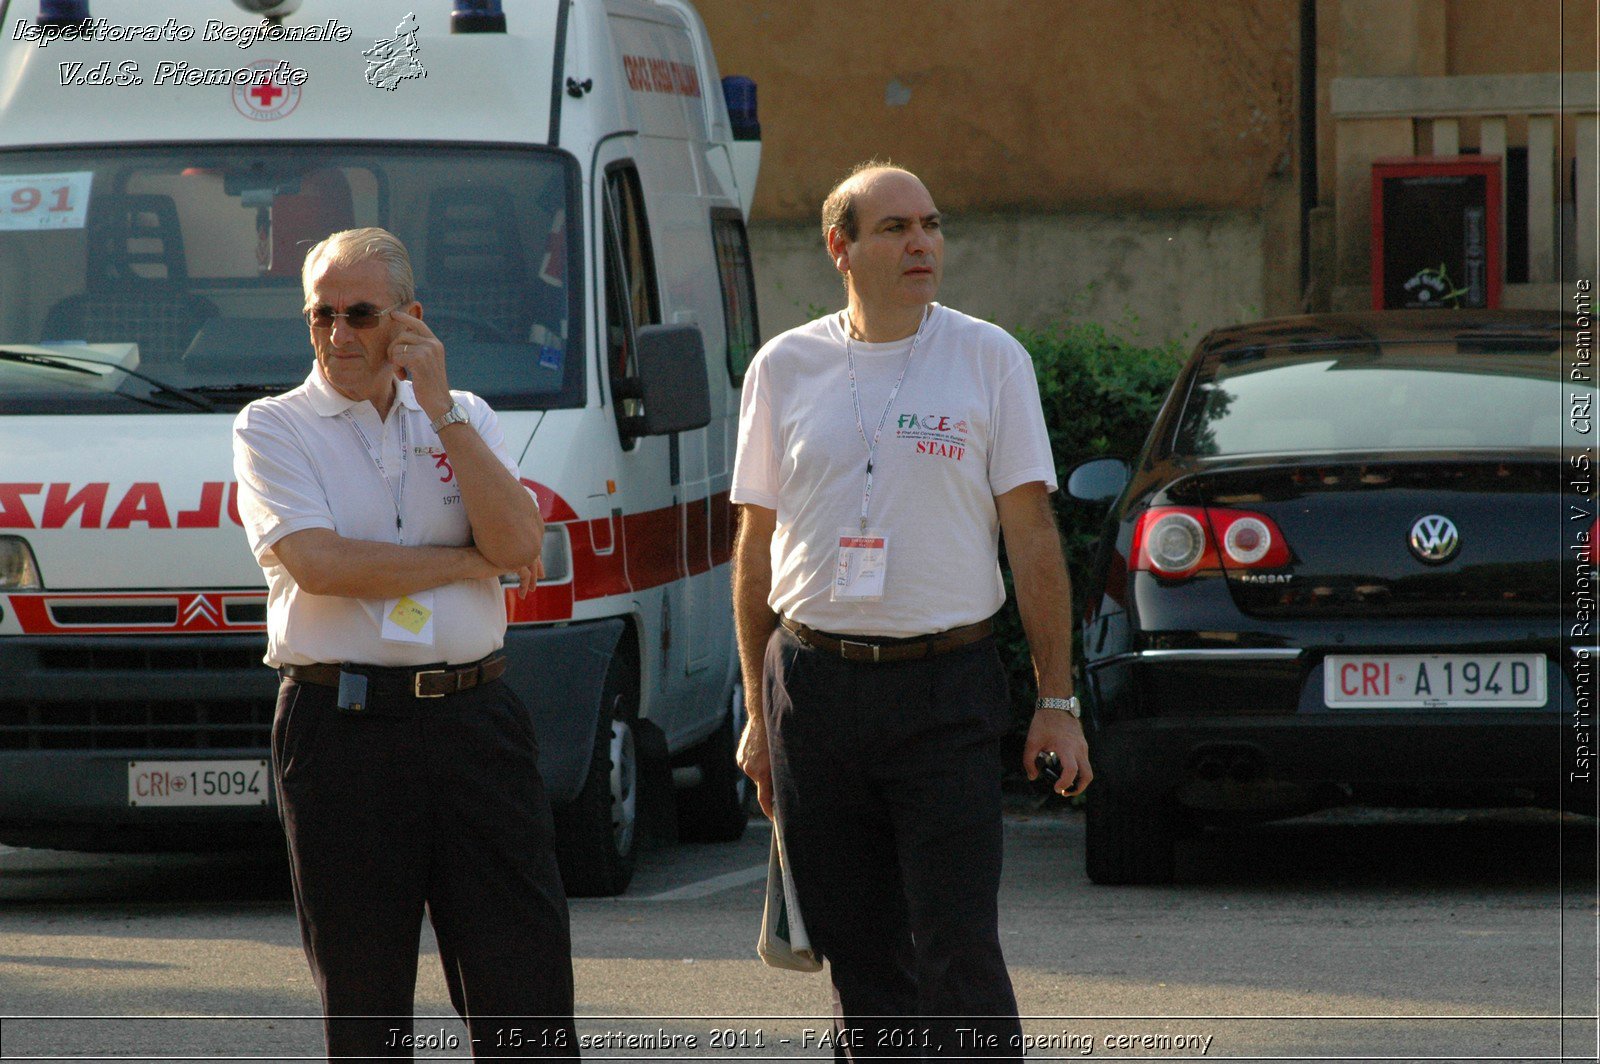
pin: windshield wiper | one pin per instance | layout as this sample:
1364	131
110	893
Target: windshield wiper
62	360
245	388
44	360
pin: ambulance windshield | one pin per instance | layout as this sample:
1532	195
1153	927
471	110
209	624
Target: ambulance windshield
172	273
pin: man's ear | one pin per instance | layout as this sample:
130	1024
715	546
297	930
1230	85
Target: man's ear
839	249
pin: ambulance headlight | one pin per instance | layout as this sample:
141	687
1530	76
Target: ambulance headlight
18	570
557	558
270	8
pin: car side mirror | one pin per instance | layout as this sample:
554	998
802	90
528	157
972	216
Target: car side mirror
671	385
1099	480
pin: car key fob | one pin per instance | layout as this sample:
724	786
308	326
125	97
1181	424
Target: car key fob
1048	762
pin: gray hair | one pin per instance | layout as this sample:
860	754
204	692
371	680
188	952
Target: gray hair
839	209
350	246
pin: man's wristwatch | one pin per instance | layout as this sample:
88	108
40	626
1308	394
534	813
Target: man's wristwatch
454	416
1063	705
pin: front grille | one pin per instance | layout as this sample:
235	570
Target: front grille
165	693
111	657
152	613
245	612
135	725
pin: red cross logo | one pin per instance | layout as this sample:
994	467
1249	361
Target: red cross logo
265	93
265	97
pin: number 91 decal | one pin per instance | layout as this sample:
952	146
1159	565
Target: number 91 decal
45	201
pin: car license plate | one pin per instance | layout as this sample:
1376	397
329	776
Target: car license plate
169	783
1434	680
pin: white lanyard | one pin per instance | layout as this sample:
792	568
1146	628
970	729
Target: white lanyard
376	454
855	397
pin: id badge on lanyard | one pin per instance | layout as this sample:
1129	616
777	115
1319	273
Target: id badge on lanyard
864	552
407	618
863	562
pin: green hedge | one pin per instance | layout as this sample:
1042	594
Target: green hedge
1100	392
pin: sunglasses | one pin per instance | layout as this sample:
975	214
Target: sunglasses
360	316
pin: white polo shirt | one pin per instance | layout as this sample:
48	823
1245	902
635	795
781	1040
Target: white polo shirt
312	458
965	427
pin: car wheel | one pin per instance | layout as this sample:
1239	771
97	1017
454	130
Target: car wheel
596	834
714	809
1128	842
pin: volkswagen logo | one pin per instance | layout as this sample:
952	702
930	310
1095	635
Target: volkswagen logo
1434	539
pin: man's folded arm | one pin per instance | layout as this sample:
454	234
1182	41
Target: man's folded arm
323	562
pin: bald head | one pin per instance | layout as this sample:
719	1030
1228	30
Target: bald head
842	209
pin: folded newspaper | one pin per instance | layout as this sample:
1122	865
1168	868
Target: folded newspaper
783	942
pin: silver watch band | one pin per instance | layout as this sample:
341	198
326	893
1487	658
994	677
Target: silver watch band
1063	705
454	416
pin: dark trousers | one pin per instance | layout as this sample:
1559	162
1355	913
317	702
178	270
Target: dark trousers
416	804
888	786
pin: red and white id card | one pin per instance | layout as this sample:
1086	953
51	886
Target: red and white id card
863	557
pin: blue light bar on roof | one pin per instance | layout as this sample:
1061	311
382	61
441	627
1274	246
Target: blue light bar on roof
740	92
478	16
63	12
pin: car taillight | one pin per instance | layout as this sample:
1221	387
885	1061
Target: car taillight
1179	541
1249	540
1173	541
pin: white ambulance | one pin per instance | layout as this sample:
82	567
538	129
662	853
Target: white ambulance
573	189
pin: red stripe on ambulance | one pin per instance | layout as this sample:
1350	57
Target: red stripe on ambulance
142	503
617	554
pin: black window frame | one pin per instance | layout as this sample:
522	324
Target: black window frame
616	282
731	219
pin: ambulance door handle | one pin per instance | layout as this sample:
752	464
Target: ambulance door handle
615	531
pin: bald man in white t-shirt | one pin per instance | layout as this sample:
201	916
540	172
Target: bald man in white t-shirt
882	452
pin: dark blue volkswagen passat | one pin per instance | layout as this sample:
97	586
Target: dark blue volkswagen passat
1335	574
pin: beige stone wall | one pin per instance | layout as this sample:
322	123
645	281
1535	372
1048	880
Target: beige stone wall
1038	105
1155	276
1068	140
1520	36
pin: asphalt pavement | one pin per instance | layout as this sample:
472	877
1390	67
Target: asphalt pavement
1350	936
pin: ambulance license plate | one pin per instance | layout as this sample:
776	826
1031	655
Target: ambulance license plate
169	783
1447	681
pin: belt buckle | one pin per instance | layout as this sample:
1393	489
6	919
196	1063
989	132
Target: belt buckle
416	683
874	647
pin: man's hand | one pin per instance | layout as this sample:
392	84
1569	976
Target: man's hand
1044	597
1053	730
528	577
418	357
754	623
756	762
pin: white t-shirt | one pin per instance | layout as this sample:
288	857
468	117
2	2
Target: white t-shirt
967	426
303	461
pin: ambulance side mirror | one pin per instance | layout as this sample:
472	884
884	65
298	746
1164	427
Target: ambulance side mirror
671	384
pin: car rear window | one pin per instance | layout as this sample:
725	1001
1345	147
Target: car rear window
1396	398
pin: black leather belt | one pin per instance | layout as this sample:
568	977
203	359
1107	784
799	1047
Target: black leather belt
881	649
422	683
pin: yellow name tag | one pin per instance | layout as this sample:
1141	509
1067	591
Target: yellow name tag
410	614
409	618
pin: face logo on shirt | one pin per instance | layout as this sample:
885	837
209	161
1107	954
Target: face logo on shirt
935	435
441	461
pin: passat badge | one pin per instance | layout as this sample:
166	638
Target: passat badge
1434	539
